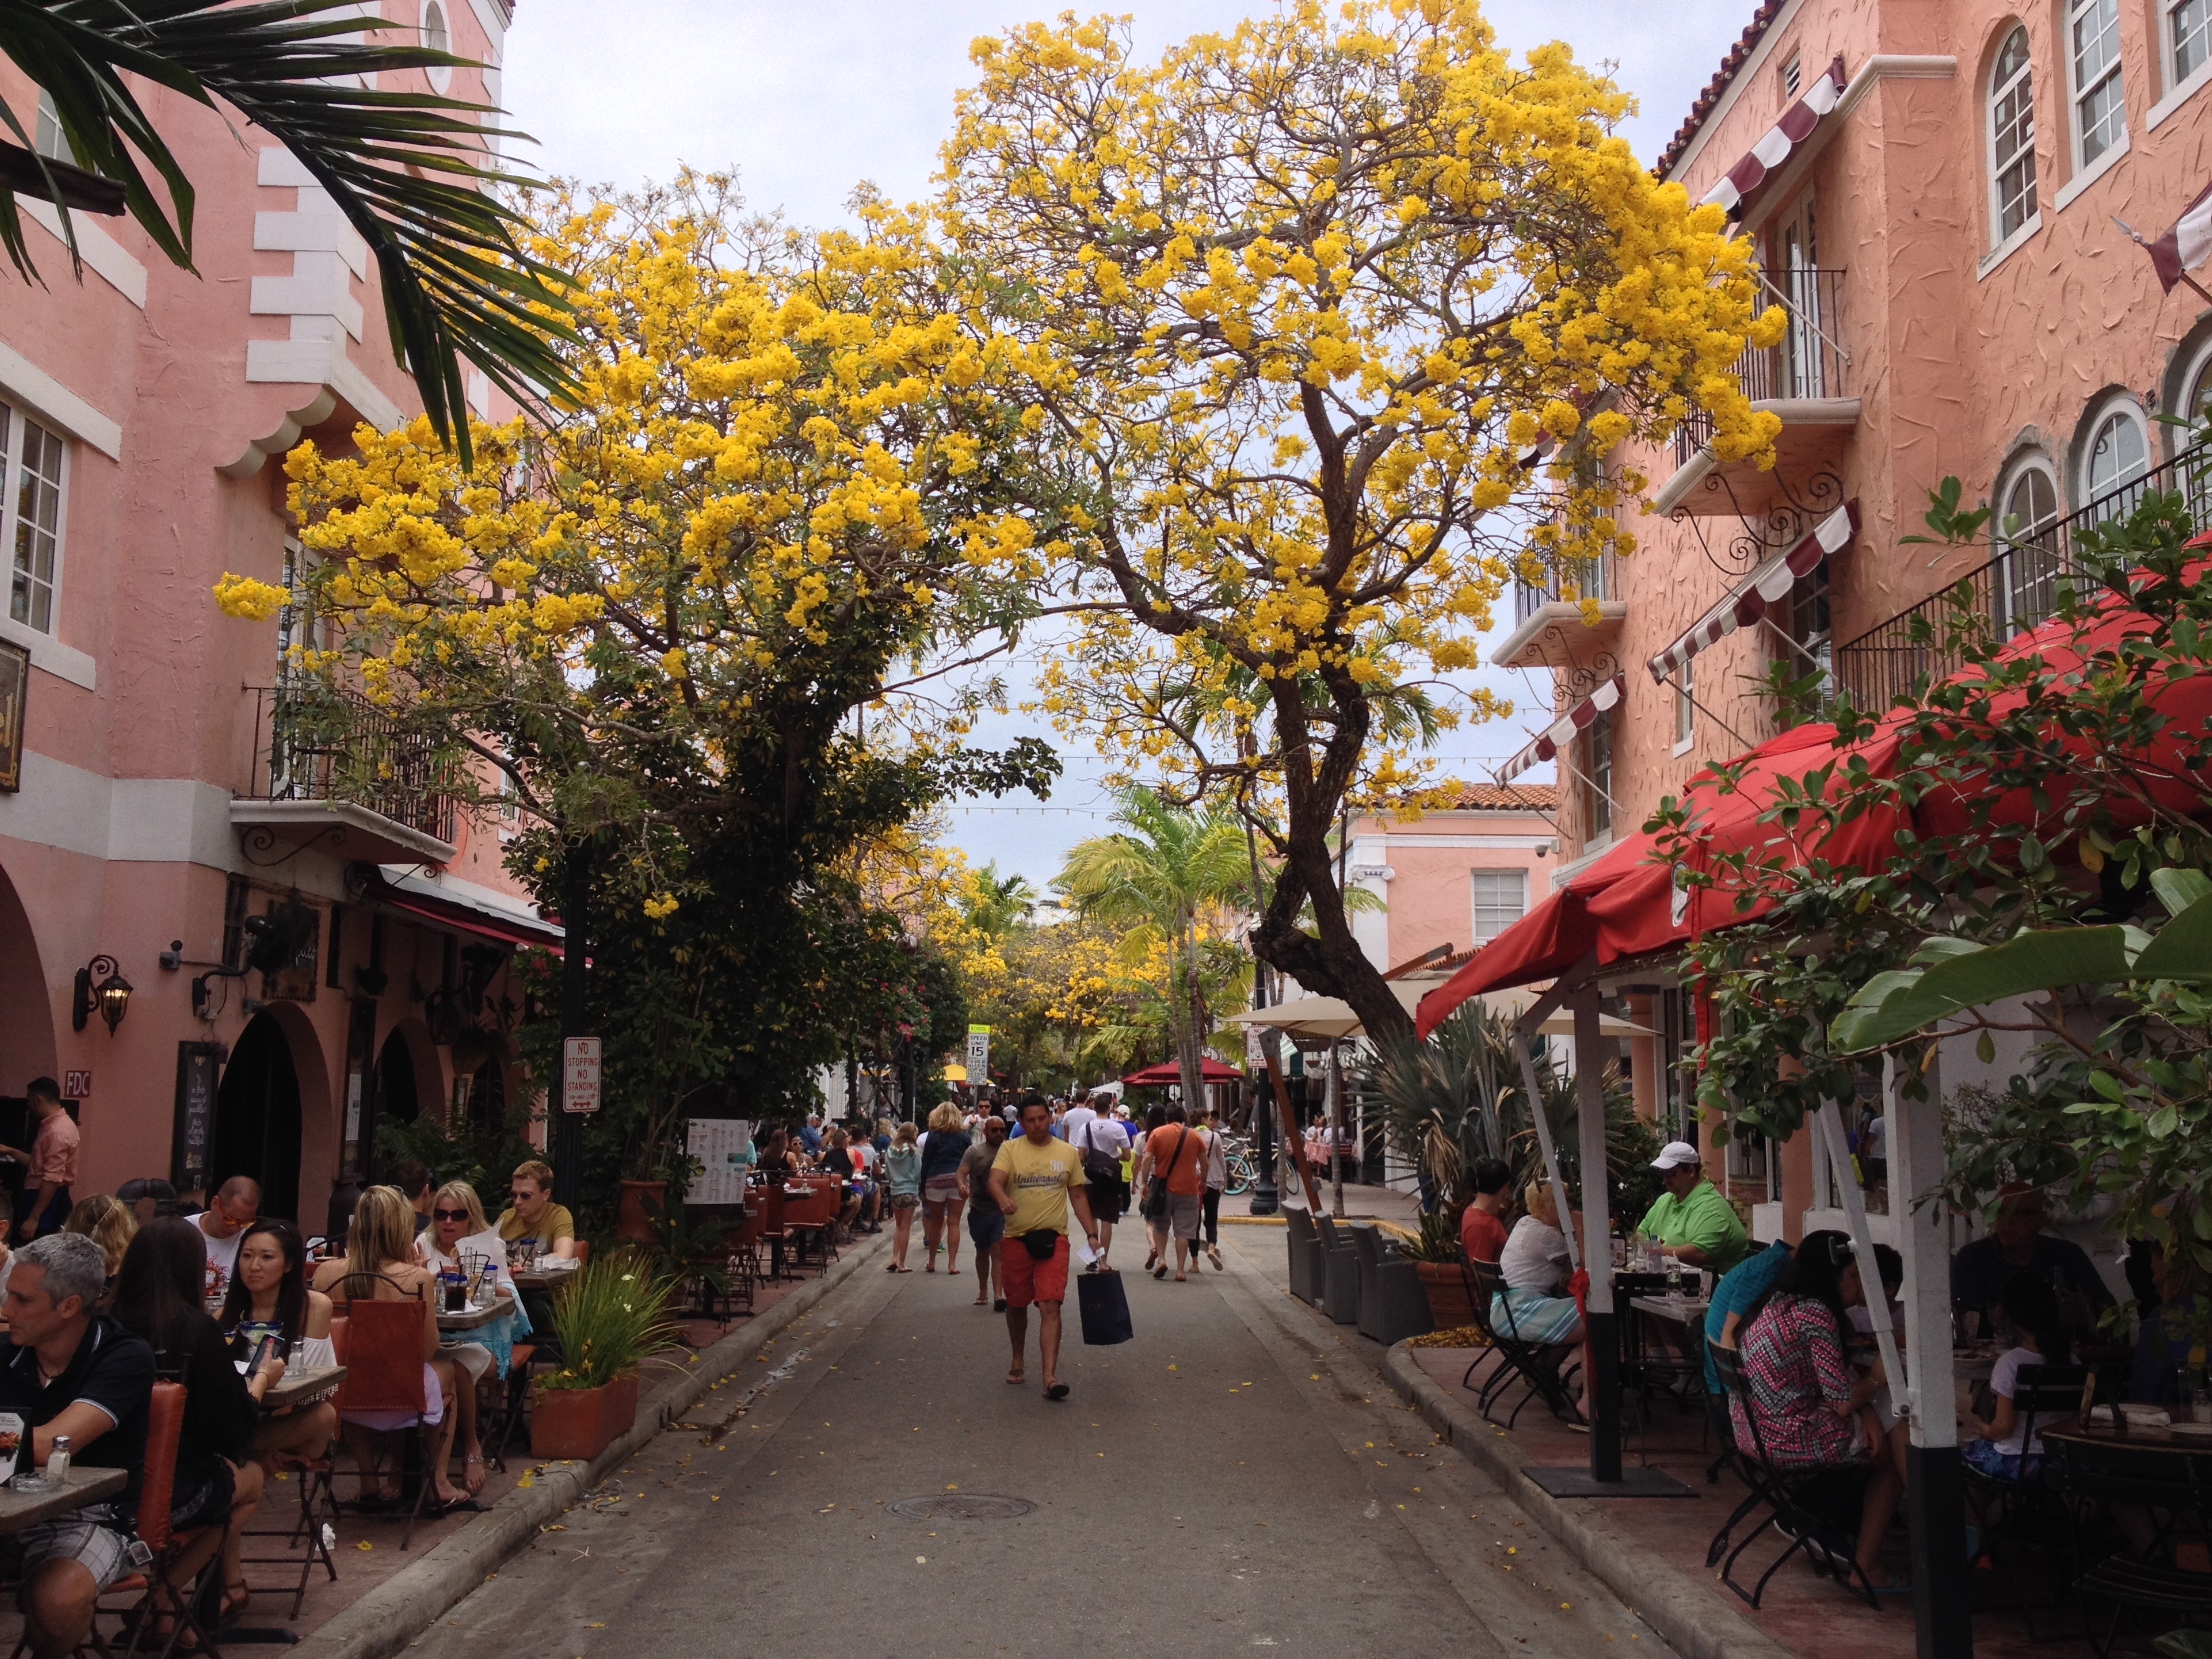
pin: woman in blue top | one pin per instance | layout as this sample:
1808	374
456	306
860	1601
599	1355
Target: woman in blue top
902	1179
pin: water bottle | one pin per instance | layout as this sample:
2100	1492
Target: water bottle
1674	1279
57	1461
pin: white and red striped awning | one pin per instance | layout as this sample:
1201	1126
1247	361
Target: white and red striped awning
1561	731
1768	585
1742	180
2186	245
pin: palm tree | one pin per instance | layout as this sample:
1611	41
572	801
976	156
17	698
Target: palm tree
407	169
1154	879
996	904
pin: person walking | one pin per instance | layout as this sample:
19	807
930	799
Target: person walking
942	1149
1174	1166
987	1222
51	1161
1104	1143
1034	1180
1156	1226
903	1178
1216	1182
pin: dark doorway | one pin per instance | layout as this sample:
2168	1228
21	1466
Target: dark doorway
257	1118
487	1099
396	1100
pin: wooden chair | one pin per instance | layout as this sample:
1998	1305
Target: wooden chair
147	1595
382	1353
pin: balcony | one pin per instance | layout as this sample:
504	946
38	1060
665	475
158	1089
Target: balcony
2013	591
1552	626
1806	380
334	771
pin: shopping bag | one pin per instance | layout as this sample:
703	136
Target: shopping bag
1105	1309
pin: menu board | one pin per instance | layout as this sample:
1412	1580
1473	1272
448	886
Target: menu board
721	1147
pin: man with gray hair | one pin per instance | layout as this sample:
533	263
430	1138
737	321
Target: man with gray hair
75	1372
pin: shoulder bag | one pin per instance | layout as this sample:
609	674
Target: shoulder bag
1156	1189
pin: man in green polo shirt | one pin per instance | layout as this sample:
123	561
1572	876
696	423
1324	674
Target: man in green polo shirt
1691	1219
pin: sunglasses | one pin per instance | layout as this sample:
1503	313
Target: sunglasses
451	1215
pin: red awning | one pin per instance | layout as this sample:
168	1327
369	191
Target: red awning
466	919
1627	904
1767	586
1210	1070
1561	731
1742	181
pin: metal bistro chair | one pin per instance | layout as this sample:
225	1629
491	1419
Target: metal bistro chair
1520	1361
383	1358
1340	1273
1393	1302
2014	1511
149	1594
2172	1492
1805	1504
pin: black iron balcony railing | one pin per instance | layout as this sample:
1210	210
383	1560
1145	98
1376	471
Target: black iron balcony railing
1578	580
313	743
2015	590
1806	363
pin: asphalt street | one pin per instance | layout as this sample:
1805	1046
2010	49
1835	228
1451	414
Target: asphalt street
1238	1477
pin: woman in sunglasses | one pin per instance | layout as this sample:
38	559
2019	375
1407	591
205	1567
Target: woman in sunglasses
460	1239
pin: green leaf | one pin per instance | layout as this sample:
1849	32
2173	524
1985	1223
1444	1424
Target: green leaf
2182	948
1888	1007
2163	1121
2178	890
1985	1050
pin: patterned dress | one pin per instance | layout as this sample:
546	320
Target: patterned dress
1793	1360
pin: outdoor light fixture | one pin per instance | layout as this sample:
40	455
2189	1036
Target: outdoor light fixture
100	984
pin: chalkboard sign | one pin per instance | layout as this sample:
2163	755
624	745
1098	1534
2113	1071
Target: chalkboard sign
199	1066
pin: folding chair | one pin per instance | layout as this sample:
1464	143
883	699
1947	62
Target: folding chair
1804	1503
383	1358
1520	1360
2169	1489
2012	1511
152	1596
318	1507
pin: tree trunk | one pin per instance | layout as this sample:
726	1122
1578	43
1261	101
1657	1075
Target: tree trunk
1189	1038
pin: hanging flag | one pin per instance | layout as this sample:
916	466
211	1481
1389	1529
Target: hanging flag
2185	247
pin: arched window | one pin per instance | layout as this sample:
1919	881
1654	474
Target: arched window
2012	139
438	38
2025	591
2118	453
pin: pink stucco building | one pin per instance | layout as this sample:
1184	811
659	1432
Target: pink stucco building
153	818
1938	190
1454	879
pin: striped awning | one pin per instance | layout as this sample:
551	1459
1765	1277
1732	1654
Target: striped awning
1742	180
1561	731
1768	585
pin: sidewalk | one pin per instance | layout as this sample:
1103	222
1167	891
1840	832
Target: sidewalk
1361	1203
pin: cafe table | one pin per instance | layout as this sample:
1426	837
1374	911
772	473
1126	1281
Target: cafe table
2164	1442
19	1510
472	1317
540	1278
1689	1311
303	1387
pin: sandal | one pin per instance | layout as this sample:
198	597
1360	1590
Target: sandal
1160	1272
1057	1391
1000	1305
472	1473
237	1597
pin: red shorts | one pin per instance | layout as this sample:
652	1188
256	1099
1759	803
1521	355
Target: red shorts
1027	1279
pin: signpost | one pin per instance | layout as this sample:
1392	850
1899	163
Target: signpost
580	1074
979	1055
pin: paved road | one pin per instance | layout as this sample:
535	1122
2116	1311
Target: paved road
1238	1477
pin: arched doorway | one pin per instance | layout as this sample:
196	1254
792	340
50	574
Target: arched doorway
257	1118
397	1100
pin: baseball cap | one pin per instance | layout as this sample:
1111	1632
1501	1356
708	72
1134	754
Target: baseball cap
1674	1154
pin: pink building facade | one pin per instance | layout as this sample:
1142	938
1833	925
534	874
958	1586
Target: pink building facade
165	803
1452	880
1942	213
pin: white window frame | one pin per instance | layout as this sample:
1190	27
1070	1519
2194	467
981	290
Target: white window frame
2106	14
2127	407
2170	39
1686	708
2021	80
1597	791
2007	590
441	76
1476	907
11	450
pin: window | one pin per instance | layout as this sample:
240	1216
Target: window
2026	592
2100	110
1598	791
2119	453
296	619
438	38
51	142
1500	897
2012	139
1810	629
2188	36
31	459
1685	712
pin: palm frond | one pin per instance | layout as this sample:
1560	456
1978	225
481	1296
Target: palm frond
410	171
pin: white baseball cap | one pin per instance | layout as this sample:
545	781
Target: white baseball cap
1676	1154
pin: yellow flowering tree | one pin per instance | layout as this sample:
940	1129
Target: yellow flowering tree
1333	322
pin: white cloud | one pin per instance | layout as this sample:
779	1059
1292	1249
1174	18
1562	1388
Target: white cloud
807	101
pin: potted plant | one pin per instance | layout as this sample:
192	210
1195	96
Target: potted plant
612	1316
1435	1256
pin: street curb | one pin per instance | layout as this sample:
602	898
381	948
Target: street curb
1698	1624
389	1617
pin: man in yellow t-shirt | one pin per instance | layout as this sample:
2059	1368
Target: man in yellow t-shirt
1034	1180
535	1215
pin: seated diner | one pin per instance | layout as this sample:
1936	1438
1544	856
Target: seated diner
1691	1221
460	1240
2017	1243
1535	1306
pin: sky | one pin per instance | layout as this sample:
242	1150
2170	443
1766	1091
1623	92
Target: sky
807	101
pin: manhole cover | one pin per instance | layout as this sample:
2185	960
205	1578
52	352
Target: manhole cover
960	1506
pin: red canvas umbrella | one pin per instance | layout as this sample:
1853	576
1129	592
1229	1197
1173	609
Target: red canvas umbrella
1210	1070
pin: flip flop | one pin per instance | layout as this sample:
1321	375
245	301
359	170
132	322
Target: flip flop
1057	1391
998	1305
1160	1272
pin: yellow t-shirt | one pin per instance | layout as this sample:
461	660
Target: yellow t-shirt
1038	1178
555	1224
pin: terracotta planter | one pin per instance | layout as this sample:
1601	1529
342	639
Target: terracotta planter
581	1423
632	1223
1447	1287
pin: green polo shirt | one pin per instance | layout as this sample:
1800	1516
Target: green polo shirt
1705	1220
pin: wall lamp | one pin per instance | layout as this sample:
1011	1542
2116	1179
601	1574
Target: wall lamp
101	985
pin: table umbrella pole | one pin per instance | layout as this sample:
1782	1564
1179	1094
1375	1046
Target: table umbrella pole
1604	1390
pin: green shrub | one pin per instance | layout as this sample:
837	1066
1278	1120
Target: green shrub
613	1314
